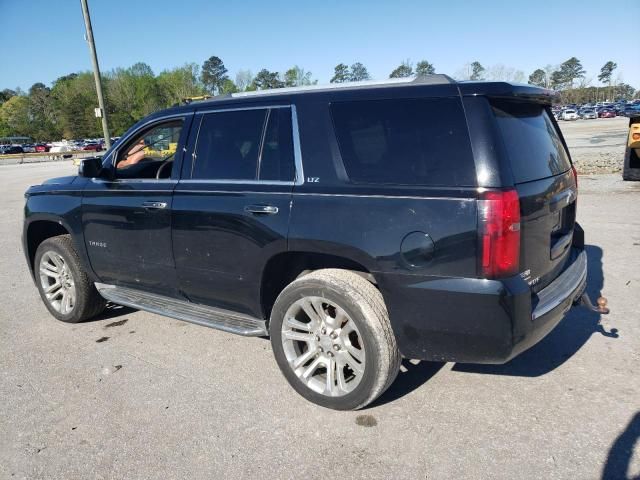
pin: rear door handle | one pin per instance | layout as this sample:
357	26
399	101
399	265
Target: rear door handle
154	205
261	209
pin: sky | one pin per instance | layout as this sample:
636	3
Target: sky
44	39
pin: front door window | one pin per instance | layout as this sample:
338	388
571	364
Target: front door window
150	154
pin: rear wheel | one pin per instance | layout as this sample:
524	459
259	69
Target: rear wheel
64	287
332	339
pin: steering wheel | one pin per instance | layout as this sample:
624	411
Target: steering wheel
162	167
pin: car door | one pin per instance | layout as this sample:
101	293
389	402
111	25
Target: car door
126	214
231	208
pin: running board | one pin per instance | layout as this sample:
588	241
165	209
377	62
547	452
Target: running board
217	318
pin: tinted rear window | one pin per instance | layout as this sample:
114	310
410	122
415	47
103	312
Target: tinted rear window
228	145
533	145
405	142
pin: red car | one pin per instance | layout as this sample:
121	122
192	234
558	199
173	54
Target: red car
96	147
607	113
42	147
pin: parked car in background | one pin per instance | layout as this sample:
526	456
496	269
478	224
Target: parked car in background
11	149
631	111
607	113
42	147
61	147
588	113
94	147
28	148
569	114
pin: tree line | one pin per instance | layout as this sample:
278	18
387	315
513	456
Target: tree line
66	109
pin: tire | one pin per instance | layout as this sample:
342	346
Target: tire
629	174
355	339
72	279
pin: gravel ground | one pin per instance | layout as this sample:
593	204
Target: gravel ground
133	395
597	146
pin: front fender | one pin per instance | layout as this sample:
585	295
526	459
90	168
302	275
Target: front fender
48	213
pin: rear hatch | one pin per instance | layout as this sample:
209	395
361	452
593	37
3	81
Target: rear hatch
546	186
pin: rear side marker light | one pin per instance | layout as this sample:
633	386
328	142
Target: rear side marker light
499	222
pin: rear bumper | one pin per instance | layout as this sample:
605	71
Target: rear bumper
551	303
475	320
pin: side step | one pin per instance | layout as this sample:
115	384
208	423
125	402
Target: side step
218	318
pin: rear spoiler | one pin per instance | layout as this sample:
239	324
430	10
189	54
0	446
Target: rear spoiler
512	91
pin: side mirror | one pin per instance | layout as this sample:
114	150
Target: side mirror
90	167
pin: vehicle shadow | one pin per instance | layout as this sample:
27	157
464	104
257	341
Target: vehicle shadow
619	458
112	310
563	341
413	374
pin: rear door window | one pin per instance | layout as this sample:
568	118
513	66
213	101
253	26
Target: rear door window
245	145
421	141
533	144
228	145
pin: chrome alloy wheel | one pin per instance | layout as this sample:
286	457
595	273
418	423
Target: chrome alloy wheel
323	346
57	282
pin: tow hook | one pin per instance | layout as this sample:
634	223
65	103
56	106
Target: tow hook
585	301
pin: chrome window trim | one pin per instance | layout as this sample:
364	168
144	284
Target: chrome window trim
136	180
297	151
240	109
234	192
188	181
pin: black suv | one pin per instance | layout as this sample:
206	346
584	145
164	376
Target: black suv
427	218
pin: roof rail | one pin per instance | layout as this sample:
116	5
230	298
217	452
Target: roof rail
434	79
423	80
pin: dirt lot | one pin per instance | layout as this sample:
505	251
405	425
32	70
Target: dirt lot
597	146
134	395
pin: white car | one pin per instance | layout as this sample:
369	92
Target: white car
60	147
569	115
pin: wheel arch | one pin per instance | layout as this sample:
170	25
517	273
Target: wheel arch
285	267
38	230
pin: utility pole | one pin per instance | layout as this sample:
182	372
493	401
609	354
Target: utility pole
96	72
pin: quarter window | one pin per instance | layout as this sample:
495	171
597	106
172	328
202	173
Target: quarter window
418	141
245	145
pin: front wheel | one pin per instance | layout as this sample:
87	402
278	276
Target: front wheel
332	339
66	291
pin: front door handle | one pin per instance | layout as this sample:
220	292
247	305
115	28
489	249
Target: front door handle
154	205
261	209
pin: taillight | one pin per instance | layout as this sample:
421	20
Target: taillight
499	222
575	176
